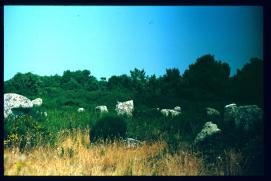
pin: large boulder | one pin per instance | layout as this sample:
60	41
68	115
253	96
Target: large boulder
208	130
14	101
37	102
243	117
125	108
101	109
230	112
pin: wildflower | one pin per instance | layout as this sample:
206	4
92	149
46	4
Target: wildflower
22	158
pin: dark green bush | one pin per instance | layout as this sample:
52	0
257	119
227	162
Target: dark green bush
27	130
108	127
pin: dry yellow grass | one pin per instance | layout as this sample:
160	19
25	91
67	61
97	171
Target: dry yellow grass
75	156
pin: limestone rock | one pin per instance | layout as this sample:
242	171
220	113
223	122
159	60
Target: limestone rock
178	108
208	129
171	112
132	143
243	117
165	112
80	109
101	109
13	101
37	102
123	108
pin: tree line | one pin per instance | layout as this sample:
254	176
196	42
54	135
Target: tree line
205	80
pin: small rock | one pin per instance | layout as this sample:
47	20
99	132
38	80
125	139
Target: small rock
101	109
132	143
80	109
172	112
37	102
178	108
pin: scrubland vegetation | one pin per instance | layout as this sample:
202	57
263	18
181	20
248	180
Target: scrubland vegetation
74	155
70	143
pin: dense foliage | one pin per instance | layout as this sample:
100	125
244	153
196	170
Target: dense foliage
205	80
109	127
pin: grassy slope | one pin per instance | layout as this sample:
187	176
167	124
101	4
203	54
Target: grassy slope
167	150
74	155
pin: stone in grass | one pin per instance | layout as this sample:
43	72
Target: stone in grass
37	102
212	112
101	109
15	101
243	117
80	109
208	130
125	108
132	143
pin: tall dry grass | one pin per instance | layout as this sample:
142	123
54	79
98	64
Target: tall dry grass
74	155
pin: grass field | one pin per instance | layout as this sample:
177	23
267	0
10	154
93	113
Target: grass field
74	155
60	144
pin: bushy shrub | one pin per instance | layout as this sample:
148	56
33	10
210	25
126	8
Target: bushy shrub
27	131
145	112
108	127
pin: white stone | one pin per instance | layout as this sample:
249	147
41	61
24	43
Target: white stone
80	109
37	102
101	109
12	100
208	129
230	105
178	108
174	113
165	112
132	143
171	112
123	108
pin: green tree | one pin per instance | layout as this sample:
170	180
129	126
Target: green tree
172	82
27	84
51	81
247	84
79	80
119	82
103	84
138	79
208	78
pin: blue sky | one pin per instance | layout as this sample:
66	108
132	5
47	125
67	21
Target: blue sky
112	40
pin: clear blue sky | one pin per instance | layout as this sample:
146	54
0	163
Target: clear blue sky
112	40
